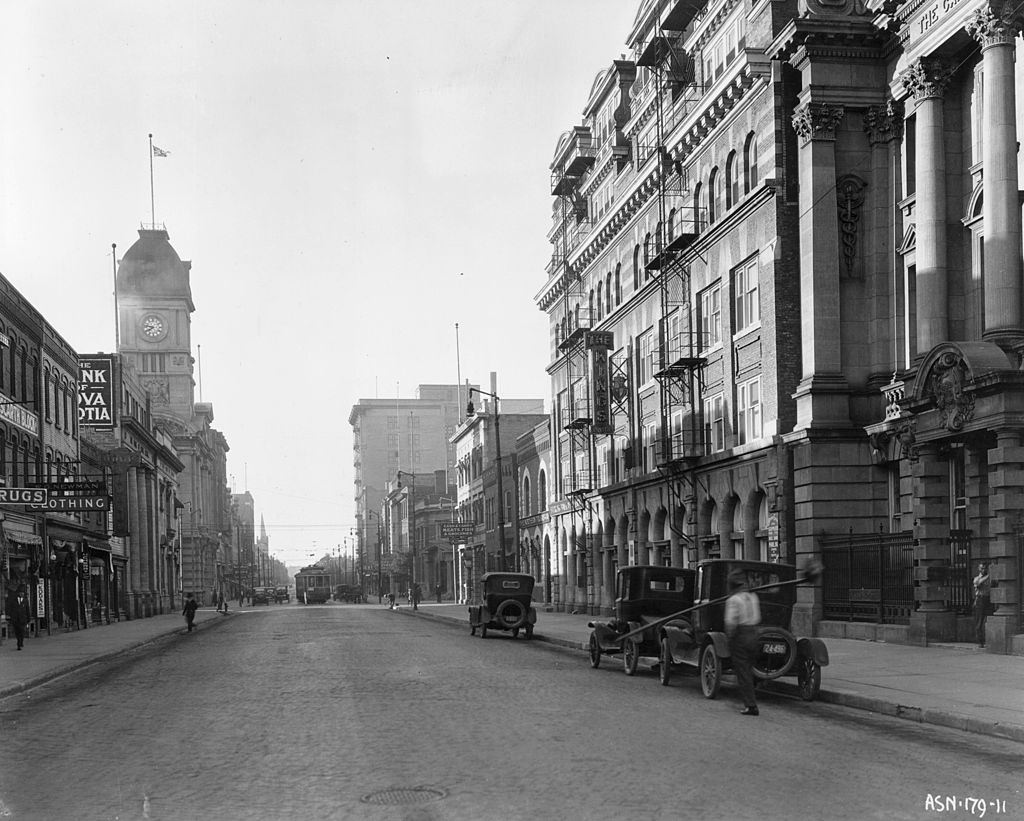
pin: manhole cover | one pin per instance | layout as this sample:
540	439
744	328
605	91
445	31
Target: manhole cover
404	795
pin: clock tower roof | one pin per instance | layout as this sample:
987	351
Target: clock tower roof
152	268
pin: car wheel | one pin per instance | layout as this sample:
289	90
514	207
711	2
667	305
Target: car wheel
510	614
809	678
595	652
665	662
710	671
630	657
483	631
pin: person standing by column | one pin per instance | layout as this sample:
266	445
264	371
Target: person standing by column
982	602
742	616
20	615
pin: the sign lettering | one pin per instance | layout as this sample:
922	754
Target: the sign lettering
22	496
96	391
73	503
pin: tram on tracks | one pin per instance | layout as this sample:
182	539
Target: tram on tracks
312	585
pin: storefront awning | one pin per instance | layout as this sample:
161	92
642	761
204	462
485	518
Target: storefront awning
22	538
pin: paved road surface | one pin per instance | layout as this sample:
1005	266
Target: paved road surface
321	712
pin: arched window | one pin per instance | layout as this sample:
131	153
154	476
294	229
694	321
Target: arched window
526	496
608	293
714	196
618	284
732	180
590	308
659	239
750	163
671	224
647	254
636	268
698	211
542	491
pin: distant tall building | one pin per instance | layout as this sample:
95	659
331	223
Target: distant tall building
396	434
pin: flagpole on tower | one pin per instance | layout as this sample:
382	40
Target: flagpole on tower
152	201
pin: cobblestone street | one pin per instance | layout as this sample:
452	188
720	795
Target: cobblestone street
318	712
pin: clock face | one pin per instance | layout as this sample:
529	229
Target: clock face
153	326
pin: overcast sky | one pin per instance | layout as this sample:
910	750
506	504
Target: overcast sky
350	178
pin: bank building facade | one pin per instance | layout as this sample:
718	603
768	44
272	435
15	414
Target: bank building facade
787	312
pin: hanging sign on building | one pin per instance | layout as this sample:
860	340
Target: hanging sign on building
17	415
599	343
458	531
23	496
73	503
96	406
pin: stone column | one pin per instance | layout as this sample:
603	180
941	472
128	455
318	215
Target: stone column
821	395
1006	504
145	547
926	80
1000	203
933	620
883	125
570	570
135	534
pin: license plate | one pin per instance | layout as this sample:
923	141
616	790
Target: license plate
774	649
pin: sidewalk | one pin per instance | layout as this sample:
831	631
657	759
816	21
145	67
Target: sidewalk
48	657
956	686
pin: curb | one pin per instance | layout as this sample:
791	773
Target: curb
58	672
918	715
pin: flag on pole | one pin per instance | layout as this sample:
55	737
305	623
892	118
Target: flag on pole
159	152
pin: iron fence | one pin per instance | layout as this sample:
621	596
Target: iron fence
961	584
868	577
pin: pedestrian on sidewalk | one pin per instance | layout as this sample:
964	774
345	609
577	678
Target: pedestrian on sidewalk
742	616
190	612
437	592
982	602
20	615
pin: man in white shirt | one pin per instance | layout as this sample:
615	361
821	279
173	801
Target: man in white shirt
742	616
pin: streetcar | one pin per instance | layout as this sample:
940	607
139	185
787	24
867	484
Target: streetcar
312	585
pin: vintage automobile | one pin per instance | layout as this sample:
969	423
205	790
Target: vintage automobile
281	595
505	603
643	594
697	642
262	595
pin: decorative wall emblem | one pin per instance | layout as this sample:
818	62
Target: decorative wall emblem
159	390
850	195
946	386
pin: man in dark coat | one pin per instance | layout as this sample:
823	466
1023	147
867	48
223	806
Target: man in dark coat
20	615
190	611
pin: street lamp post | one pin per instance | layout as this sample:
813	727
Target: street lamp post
497	447
412	531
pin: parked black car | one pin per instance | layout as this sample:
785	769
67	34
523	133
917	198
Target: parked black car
643	594
505	603
281	595
262	595
697	641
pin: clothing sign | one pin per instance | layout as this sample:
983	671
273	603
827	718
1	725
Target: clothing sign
96	392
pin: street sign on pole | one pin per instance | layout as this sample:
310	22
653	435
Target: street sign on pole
458	531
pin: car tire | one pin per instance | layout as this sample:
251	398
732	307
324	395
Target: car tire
665	662
808	678
595	651
510	614
630	657
776	635
710	671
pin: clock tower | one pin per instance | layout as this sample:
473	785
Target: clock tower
154	301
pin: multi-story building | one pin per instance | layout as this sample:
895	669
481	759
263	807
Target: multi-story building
489	435
50	547
414	551
154	297
769	230
532	454
670	296
390	435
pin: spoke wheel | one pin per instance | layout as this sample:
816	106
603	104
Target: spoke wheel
595	652
630	657
809	678
665	662
710	672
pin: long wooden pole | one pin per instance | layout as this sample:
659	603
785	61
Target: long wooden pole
812	574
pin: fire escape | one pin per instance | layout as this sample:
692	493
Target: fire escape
678	365
575	342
